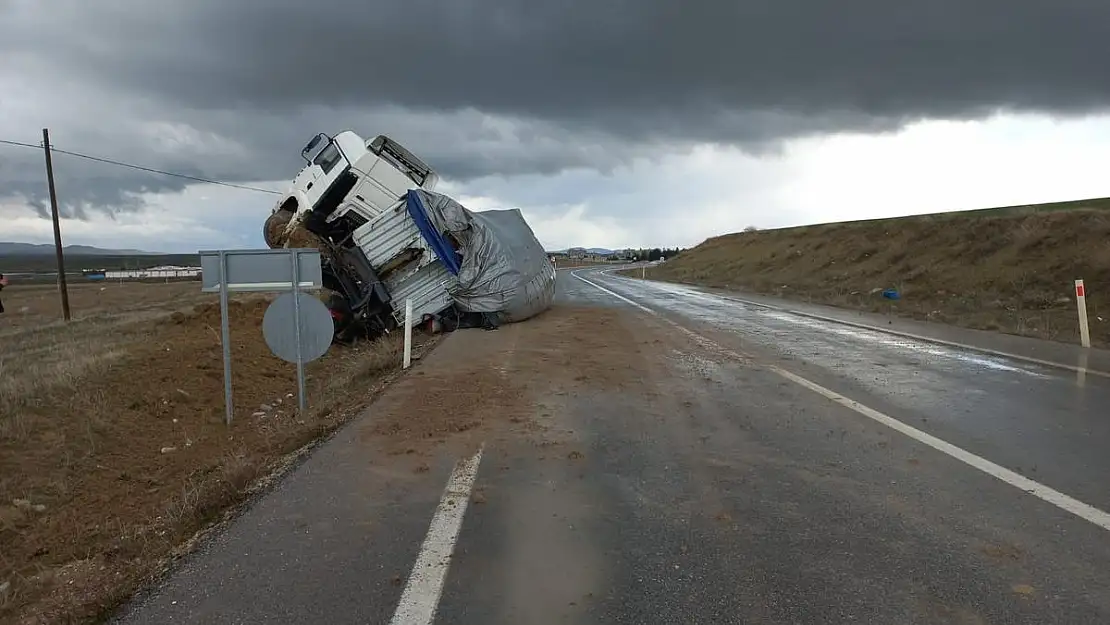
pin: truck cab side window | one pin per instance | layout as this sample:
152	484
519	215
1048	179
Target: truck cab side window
327	158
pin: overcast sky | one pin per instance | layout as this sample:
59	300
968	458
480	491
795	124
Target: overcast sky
609	123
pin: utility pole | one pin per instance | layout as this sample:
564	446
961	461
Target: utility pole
57	227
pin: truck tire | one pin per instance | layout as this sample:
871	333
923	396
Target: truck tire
342	317
273	227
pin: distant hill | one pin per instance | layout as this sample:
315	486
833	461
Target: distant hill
600	251
24	259
8	248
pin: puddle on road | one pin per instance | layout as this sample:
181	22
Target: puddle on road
739	315
885	340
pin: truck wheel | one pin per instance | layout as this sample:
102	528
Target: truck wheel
341	316
273	227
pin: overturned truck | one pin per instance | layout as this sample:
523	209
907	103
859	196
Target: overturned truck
385	236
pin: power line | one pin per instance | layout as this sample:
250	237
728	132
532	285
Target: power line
140	167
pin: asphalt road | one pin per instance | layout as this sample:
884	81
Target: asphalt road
651	453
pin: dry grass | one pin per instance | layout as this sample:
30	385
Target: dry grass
1002	271
113	450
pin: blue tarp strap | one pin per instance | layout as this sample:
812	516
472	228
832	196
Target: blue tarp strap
436	241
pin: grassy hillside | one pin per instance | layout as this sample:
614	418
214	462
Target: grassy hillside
1006	269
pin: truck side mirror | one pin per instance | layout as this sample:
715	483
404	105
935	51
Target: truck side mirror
312	146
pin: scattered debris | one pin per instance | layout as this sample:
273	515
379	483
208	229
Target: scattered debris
1002	552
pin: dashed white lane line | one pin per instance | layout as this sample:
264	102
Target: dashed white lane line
1045	493
420	599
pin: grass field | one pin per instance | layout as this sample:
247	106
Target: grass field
1008	269
113	450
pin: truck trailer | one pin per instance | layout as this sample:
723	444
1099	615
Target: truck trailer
385	236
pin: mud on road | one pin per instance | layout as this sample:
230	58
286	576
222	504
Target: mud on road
482	384
515	391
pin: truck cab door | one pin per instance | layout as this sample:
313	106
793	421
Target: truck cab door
326	163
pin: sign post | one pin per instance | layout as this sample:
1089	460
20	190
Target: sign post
272	270
1081	303
301	402
311	334
225	336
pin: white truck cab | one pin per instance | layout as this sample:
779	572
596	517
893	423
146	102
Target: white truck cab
346	176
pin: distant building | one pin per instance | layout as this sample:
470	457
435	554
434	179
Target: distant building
165	272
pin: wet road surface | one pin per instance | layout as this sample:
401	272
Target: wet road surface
661	467
1048	423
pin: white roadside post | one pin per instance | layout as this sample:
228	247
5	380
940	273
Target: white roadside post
643	272
408	333
1081	302
295	289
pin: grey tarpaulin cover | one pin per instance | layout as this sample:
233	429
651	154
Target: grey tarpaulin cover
504	268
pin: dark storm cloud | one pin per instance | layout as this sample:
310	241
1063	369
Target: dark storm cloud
520	86
617	63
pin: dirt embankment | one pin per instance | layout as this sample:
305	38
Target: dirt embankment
113	449
1012	274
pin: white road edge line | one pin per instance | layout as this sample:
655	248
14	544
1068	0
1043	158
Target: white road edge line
1045	493
908	335
420	599
614	294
